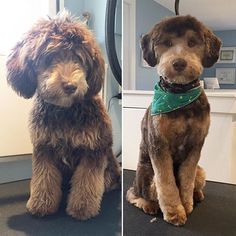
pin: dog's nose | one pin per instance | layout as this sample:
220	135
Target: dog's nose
179	64
69	88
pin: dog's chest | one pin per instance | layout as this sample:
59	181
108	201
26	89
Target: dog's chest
72	137
64	130
181	134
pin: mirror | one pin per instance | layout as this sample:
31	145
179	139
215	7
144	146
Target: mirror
112	36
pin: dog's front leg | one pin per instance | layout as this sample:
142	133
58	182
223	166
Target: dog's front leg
168	193
186	175
87	188
45	186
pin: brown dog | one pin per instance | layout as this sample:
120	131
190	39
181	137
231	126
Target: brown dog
59	60
168	175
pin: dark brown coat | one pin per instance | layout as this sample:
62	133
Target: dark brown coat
168	174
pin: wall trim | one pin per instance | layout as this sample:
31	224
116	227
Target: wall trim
132	36
15	168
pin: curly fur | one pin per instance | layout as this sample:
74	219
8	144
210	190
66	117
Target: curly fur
168	175
59	60
41	46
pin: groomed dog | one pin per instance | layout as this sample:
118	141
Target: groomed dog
176	124
59	60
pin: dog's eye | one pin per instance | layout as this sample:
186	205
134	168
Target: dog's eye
192	43
167	43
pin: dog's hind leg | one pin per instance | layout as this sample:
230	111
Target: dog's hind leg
87	187
148	206
199	184
112	173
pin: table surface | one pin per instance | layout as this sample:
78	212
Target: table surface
215	216
15	220
209	92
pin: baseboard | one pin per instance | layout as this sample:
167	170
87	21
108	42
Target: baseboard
15	168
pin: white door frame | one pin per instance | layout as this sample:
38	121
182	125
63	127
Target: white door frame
132	38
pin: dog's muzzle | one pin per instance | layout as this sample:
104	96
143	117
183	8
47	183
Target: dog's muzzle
179	64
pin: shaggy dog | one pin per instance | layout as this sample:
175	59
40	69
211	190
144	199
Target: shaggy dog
59	60
168	174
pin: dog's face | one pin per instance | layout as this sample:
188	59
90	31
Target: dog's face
180	47
62	81
180	57
59	59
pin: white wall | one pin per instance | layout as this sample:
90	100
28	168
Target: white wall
14	113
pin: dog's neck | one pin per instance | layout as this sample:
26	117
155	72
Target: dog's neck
178	88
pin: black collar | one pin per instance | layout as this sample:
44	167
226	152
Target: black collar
178	88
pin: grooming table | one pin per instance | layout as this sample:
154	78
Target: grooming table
14	219
215	216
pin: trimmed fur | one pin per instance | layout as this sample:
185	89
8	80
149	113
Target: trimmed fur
168	175
59	60
178	26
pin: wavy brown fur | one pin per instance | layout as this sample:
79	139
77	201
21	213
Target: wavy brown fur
70	130
43	42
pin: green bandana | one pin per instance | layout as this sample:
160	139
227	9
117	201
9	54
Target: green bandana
164	101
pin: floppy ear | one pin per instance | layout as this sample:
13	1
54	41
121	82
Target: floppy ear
22	62
148	50
212	48
96	74
20	71
90	55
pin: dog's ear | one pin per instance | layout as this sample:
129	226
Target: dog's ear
148	50
20	70
96	74
23	60
91	58
212	48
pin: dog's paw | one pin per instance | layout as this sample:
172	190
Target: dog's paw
176	216
198	196
188	207
113	186
151	208
41	207
82	210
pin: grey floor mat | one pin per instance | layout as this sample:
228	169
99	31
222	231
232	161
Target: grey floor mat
14	219
215	216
